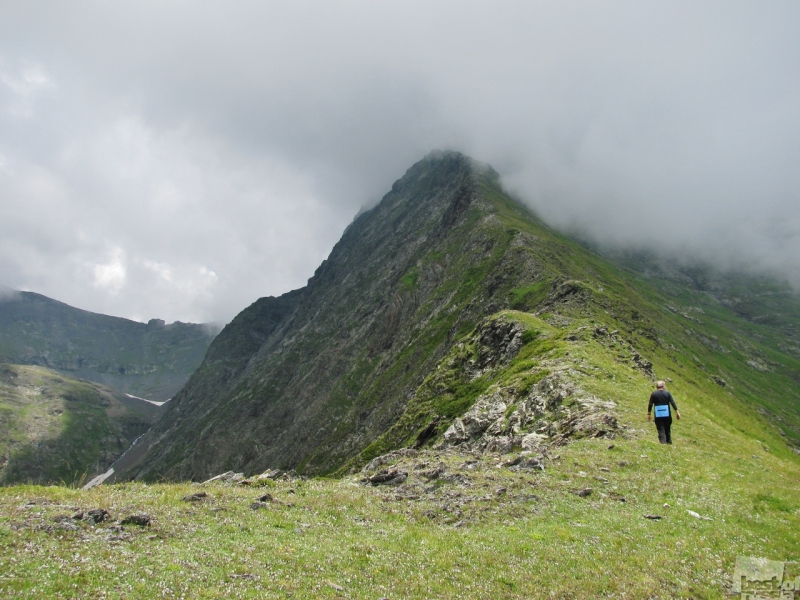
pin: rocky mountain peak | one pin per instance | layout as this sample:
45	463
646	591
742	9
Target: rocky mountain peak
308	376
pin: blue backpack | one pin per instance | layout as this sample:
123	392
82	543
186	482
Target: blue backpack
662	410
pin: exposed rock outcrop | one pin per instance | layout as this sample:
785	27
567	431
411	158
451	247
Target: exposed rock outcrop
554	411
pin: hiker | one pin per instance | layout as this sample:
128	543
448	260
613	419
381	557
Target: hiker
661	400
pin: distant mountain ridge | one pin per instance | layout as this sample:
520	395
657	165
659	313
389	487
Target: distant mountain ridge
152	361
762	298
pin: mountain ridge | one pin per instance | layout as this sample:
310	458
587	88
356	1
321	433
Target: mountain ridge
341	361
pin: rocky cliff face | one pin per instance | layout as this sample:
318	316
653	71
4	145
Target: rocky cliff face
403	336
311	378
150	360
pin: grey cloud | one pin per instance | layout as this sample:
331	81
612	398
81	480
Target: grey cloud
7	293
162	160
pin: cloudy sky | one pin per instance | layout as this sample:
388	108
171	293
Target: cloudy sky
180	159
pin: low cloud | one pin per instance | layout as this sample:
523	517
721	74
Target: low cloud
111	275
7	293
156	165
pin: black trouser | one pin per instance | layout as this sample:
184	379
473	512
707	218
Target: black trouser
663	424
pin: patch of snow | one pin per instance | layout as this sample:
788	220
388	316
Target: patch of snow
150	401
99	479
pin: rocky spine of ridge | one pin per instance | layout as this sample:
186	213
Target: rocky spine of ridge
309	379
379	350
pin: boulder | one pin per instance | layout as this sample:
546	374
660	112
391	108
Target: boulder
388	458
196	497
533	442
140	519
502	444
456	433
227	477
498	342
388	477
95	516
486	410
529	464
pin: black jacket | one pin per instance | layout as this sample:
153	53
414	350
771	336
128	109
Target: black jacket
659	398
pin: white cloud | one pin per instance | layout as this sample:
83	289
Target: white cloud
25	85
111	276
172	205
160	269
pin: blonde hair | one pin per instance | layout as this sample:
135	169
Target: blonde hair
660	385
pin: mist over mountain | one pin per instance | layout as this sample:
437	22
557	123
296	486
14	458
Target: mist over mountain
766	298
180	161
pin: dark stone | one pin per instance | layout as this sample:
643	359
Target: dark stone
266	498
95	516
583	493
434	473
388	477
653	517
427	434
258	505
454	478
141	519
198	497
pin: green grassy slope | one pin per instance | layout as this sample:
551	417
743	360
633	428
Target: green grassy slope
477	531
734	369
56	429
478	528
